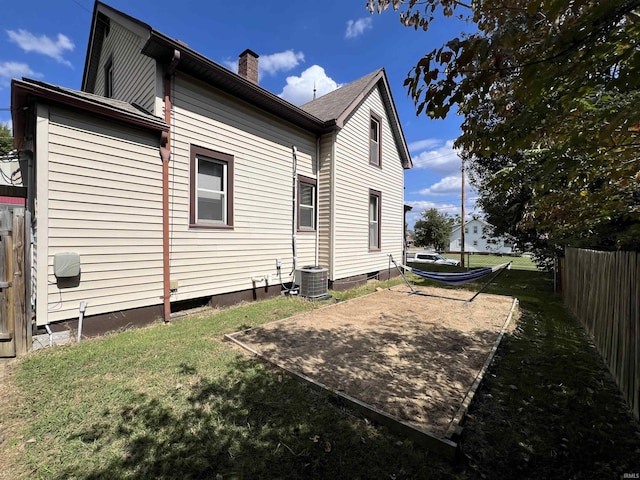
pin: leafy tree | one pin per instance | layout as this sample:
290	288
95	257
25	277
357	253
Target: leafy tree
433	229
6	139
549	92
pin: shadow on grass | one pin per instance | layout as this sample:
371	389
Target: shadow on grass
548	408
253	423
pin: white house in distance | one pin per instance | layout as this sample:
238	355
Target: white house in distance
170	179
478	239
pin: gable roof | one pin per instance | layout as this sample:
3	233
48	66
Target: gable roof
335	107
323	117
162	49
22	90
482	222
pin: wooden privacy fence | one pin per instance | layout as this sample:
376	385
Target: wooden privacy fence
15	327
602	289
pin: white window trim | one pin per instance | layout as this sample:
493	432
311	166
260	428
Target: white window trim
375	145
223	192
311	183
378	196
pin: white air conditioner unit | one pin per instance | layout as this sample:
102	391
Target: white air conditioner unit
313	282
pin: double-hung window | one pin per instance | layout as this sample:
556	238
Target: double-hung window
211	189
375	147
374	219
306	203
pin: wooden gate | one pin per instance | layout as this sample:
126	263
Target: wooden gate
15	328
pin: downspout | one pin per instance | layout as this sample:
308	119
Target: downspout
165	154
294	227
333	191
316	200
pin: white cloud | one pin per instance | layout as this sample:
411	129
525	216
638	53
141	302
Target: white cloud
424	144
447	208
282	61
355	28
272	63
446	186
9	70
43	44
299	90
424	205
443	159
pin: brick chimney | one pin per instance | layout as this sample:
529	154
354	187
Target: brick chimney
248	65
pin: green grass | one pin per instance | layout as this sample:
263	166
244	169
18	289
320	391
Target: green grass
174	401
476	261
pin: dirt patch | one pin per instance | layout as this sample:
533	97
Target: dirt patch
412	356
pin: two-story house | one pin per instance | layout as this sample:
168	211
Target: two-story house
479	238
169	180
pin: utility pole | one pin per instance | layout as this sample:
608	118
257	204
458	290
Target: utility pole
462	217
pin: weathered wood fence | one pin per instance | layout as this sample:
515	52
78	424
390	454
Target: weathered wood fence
603	291
15	327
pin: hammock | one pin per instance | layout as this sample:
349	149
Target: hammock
458	278
454	278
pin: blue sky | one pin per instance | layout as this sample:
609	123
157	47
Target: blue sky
300	44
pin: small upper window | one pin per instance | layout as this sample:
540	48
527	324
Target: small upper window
466	229
475	229
211	189
108	79
375	140
306	203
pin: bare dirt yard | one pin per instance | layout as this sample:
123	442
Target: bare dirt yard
411	356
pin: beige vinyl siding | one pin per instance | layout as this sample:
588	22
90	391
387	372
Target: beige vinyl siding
354	177
104	202
134	74
324	201
214	261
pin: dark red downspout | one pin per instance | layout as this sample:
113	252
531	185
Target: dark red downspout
165	154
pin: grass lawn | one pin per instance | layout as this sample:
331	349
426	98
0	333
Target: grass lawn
173	401
476	261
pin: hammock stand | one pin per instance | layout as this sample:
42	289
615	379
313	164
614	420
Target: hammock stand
454	278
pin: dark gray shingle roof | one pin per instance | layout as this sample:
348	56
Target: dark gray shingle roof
332	105
110	103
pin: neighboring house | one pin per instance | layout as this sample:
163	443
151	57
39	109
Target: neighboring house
11	191
478	239
172	180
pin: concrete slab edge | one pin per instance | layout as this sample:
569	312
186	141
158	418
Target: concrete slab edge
455	427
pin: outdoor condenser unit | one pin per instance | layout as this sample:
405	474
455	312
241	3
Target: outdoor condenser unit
313	282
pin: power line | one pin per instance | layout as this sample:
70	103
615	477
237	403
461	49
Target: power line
81	6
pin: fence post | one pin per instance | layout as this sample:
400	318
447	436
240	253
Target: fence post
7	335
21	323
